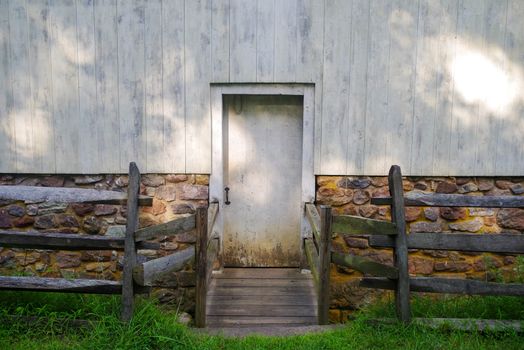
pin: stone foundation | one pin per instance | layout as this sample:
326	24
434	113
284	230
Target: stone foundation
173	195
351	196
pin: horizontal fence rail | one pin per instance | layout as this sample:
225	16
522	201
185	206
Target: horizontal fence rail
465	242
362	226
449	285
147	273
170	228
454	200
65	241
364	265
314	220
67	195
62	285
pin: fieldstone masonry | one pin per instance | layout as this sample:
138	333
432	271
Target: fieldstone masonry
178	194
173	195
351	196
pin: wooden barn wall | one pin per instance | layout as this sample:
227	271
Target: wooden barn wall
432	85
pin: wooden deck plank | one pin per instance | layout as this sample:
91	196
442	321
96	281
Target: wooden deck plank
257	291
265	297
261	310
269	300
264	273
264	283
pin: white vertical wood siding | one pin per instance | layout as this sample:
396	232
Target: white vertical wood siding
432	85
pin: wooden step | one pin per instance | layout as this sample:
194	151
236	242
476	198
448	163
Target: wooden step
264	297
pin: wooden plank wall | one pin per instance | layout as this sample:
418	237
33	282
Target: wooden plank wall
432	85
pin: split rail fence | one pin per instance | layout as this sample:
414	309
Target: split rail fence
384	234
137	277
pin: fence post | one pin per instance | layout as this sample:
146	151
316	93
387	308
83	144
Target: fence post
128	292
201	264
400	257
325	264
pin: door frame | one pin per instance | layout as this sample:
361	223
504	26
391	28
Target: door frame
216	181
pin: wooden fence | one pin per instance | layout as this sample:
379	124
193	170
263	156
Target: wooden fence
384	234
137	277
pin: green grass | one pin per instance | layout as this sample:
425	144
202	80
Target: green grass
153	328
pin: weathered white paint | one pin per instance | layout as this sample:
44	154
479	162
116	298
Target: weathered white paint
219	175
264	175
435	86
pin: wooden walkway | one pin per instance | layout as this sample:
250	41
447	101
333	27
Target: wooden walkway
261	297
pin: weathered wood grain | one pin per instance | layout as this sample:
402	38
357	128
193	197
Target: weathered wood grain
448	285
314	220
212	256
147	273
258	291
324	266
198	74
455	200
65	241
312	260
403	24
364	265
128	292
285	41
362	226
261	296
201	266
20	85
40	55
153	88
274	272
67	195
107	75
266	283
335	82
131	81
377	67
400	251
64	72
358	72
88	156
265	41
211	218
61	285
267	300
220	40
444	107
172	227
377	87
174	82
262	310
7	159
466	242
242	41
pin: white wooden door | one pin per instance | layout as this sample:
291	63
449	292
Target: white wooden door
262	169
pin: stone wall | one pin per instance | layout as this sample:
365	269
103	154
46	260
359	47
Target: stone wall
173	196
351	196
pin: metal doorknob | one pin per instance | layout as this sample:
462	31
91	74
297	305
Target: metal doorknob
227	202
